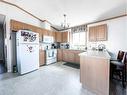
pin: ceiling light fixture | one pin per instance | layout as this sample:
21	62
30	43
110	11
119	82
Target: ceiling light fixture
65	25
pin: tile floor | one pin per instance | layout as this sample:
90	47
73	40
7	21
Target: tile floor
55	79
2	68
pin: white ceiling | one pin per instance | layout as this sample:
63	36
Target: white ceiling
77	11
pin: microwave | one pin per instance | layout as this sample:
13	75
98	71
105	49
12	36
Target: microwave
48	39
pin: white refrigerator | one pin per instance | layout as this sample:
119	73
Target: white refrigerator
27	47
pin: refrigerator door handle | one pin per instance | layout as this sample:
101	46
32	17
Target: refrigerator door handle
17	42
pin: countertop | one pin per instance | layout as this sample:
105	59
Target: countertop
98	54
74	49
68	49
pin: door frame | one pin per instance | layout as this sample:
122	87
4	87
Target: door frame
5	46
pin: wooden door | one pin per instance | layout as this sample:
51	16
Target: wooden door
77	57
42	57
64	37
102	32
58	36
71	56
44	32
65	56
49	33
92	34
15	25
40	34
59	55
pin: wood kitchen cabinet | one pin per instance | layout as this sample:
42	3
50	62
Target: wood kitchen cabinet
71	56
77	57
95	71
59	55
98	33
64	37
49	33
92	34
44	32
40	34
58	36
17	25
65	55
42	56
68	56
102	32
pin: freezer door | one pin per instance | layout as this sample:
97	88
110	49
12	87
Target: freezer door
27	58
24	36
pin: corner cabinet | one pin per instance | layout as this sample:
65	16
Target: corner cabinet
98	33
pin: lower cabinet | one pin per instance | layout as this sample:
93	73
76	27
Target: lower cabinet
42	56
71	56
77	57
59	55
65	55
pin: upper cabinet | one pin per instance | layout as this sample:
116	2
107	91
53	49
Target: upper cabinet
58	36
16	25
98	33
92	34
64	37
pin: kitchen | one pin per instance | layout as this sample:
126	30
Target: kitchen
65	46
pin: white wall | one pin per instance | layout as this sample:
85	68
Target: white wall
126	31
117	36
13	13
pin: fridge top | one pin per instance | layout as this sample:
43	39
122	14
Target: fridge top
26	36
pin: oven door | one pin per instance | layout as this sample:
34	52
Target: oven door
51	56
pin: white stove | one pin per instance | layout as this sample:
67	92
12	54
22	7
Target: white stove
51	56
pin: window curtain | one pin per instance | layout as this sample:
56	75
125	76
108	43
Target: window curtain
82	28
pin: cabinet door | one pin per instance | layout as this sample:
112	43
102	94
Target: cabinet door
59	55
12	25
65	56
58	36
64	37
77	57
42	57
71	57
40	34
44	32
102	32
15	25
92	34
49	33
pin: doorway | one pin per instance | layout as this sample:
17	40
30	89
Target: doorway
3	68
